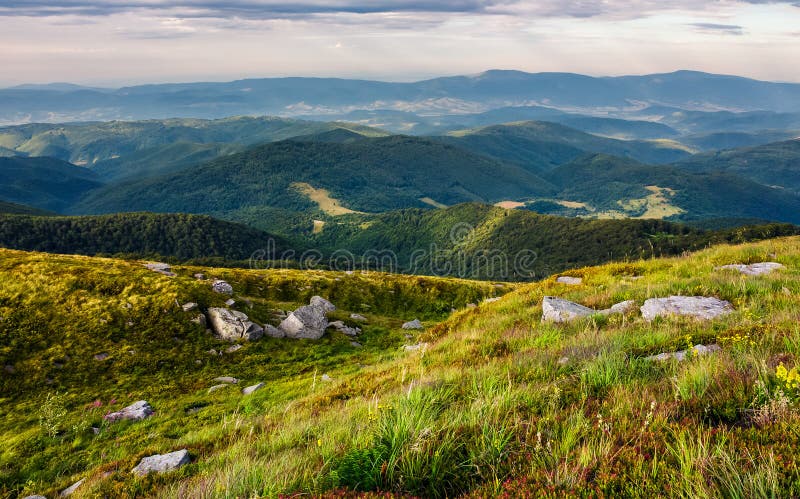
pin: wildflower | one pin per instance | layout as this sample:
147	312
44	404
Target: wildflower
319	442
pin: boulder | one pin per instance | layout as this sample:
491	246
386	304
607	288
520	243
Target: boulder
135	412
230	302
559	310
308	322
680	356
761	268
72	488
162	463
188	307
232	325
570	281
414	348
620	308
322	304
358	317
220	286
700	307
273	332
415	324
161	268
252	388
200	319
491	300
226	379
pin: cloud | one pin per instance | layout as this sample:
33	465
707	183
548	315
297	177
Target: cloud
280	9
727	29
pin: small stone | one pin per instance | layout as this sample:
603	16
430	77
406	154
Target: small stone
680	356
188	307
199	277
491	300
358	317
161	268
230	302
253	388
220	286
198	362
34	497
101	356
217	387
326	378
72	488
414	348
212	352
786	291
563	361
274	332
620	308
415	324
226	379
200	319
570	281
162	463
135	412
233	348
471	305
9	369
355	344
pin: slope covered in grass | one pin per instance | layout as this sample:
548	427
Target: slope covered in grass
497	404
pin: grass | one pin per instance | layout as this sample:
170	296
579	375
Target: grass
497	404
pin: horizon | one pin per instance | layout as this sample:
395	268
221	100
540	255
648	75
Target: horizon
107	43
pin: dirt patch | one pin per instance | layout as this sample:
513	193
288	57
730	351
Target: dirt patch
319	226
433	202
322	197
510	205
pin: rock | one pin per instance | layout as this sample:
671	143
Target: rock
232	325
472	305
200	319
307	322
570	281
162	463
200	277
101	356
786	291
9	369
358	317
491	300
222	287
559	310
414	348
563	361
274	332
34	497
620	308
415	324
226	379
754	268
188	307
680	356
336	324
135	412
356	344
161	268
322	304
326	378
230	302
72	488
252	388
700	307
214	352
233	348
345	329
217	387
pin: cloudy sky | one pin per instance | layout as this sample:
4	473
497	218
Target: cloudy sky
117	42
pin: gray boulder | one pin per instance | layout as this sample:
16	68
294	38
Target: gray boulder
754	268
345	329
232	325
161	268
274	332
226	379
559	310
700	307
253	388
188	307
415	324
217	387
220	286
135	412
162	463
620	308
570	281
72	488
308	322
322	304
680	356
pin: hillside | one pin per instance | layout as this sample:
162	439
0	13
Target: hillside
540	146
21	209
494	404
44	183
370	175
775	164
626	186
179	236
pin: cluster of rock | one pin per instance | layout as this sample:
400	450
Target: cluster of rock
559	310
161	268
761	268
680	356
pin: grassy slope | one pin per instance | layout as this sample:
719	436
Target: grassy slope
498	403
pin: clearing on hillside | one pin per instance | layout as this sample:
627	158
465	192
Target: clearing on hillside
322	197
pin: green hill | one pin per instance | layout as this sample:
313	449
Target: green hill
775	164
179	236
492	403
21	209
44	183
371	175
540	146
625	186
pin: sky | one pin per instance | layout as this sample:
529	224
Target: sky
124	42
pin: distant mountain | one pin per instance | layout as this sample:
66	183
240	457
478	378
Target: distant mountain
20	209
540	146
371	175
691	122
630	188
717	141
448	95
179	236
775	164
45	183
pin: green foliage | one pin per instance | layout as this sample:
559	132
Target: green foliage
45	183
